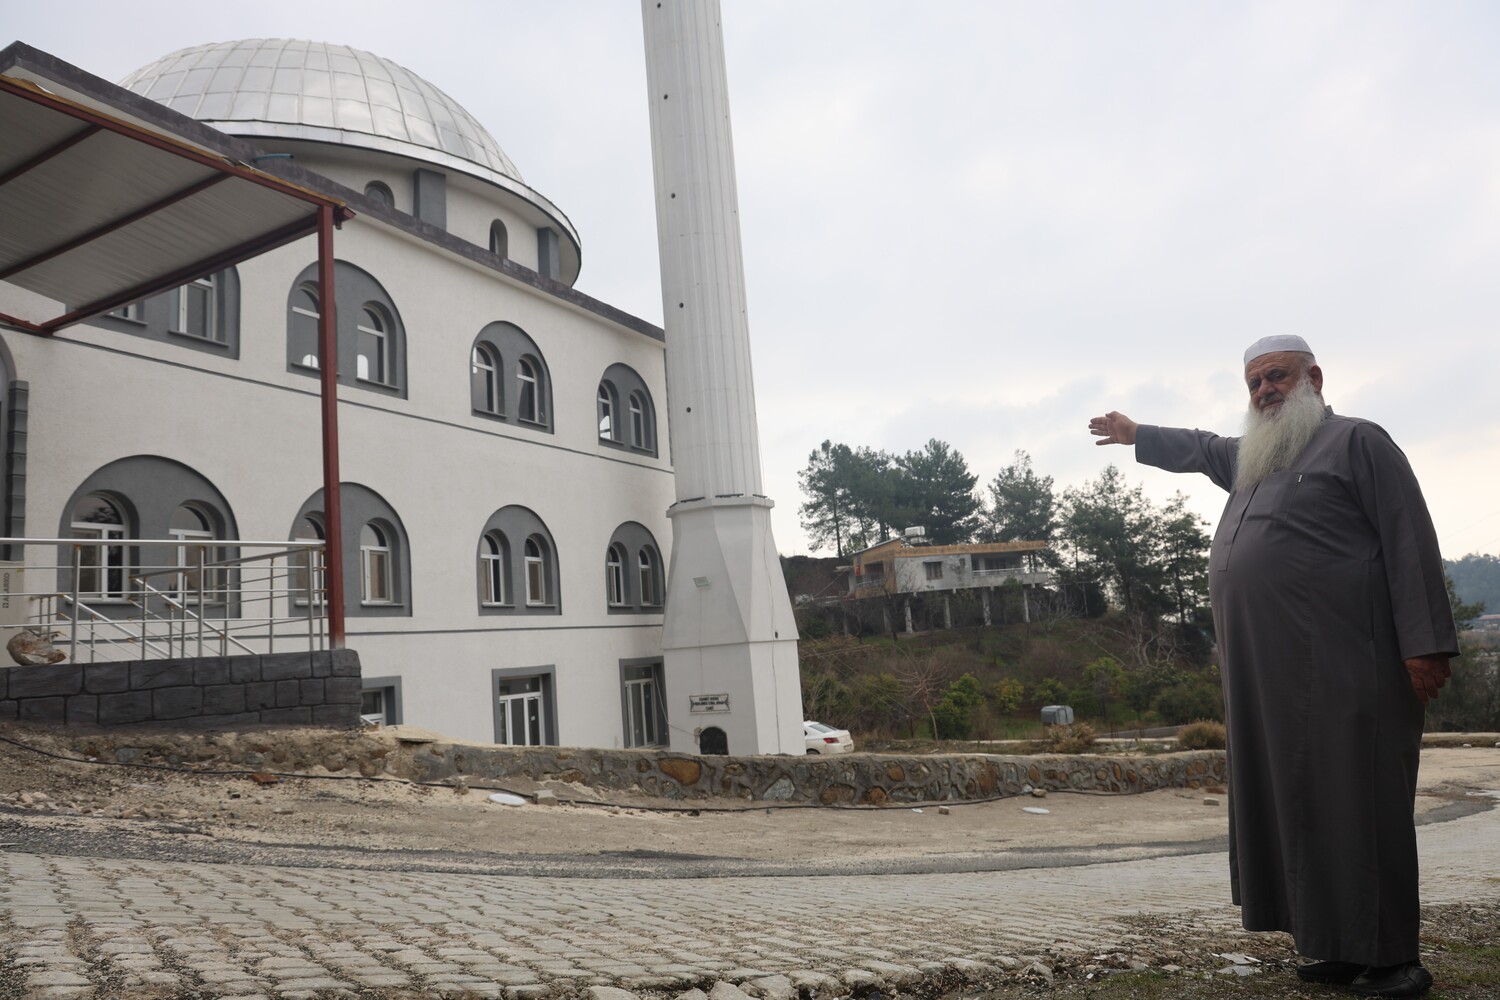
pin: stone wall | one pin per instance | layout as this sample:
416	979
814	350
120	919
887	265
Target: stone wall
853	779
308	688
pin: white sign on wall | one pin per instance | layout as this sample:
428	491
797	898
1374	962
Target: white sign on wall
708	702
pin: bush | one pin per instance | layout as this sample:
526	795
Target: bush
1077	738
1205	734
1195	698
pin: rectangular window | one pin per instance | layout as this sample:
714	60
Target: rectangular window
196	308
380	701
377	576
190	578
934	570
372	707
536	580
521	711
101	568
645	706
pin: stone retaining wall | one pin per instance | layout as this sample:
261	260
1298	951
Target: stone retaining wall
308	688
853	779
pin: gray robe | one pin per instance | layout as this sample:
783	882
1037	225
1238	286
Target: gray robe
1323	579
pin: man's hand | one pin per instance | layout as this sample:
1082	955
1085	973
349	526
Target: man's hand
1113	428
1428	673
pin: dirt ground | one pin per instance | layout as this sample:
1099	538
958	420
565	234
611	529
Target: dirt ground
355	814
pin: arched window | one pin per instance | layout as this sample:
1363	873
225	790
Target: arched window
195	580
633	571
380	194
508	379
305	314
607	426
373	360
370	340
648	565
614	577
374	553
484	380
627	418
375	565
202	315
494	569
499	239
529	408
186	521
538	591
101	567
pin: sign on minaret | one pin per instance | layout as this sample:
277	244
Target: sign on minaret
729	637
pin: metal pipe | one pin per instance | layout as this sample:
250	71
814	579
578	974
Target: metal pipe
328	372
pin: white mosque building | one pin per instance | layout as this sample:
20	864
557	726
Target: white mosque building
504	442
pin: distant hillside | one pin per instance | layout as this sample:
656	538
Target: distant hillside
1476	578
813	576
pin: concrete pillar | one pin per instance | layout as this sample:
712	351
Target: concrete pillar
1025	606
984	602
907	608
947	613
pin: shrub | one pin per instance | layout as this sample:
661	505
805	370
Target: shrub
1194	698
1205	734
1077	738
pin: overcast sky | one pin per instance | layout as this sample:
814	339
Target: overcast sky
986	222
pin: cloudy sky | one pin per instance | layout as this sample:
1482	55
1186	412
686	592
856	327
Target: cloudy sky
989	222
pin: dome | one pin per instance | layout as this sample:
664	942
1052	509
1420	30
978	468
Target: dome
330	93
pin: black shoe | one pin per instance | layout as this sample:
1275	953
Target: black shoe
1342	973
1408	980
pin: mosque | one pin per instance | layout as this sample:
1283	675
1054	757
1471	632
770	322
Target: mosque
505	462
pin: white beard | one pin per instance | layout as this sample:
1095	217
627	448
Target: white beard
1273	441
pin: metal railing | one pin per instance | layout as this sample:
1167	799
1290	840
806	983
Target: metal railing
111	599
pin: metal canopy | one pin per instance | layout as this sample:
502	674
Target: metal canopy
97	211
106	198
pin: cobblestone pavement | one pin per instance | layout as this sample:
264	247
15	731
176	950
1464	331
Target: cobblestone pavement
85	927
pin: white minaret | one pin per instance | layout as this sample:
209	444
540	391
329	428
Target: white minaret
729	636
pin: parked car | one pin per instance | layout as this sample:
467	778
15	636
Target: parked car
826	739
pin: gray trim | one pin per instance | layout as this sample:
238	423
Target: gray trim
17	407
548	676
513	524
391	684
548	264
430	197
509	344
632	537
623	382
147	490
661	700
353	287
360	505
28	58
158	319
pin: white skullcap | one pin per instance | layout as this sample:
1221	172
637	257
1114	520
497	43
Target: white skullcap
1275	344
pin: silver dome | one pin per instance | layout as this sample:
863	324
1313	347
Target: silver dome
313	90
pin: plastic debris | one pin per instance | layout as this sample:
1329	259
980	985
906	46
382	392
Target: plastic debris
507	799
916	810
1035	810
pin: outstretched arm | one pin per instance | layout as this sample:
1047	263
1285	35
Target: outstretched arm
1113	428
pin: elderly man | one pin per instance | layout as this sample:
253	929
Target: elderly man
1334	629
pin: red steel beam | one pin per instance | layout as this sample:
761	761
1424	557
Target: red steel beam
177	148
100	231
294	230
328	378
48	154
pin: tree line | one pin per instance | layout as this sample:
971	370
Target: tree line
1106	539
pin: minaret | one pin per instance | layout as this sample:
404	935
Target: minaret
729	635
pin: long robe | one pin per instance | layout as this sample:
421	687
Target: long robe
1323	579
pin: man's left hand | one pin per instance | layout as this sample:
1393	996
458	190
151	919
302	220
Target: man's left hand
1428	673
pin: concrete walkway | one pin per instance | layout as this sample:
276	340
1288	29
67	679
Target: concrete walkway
83	927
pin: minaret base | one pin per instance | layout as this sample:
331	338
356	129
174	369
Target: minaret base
729	638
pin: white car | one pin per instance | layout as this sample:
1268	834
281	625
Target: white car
826	739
